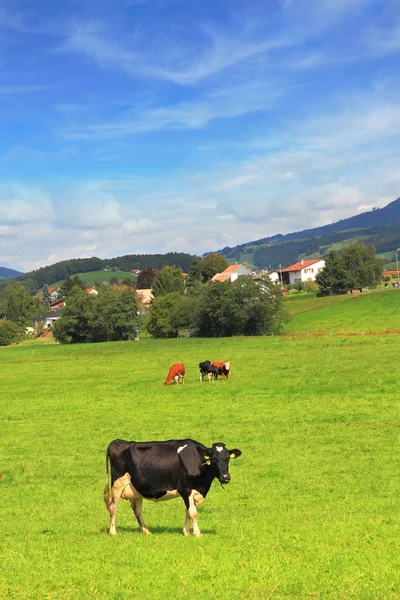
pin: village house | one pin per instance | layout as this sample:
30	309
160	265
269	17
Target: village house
233	272
48	318
304	270
92	291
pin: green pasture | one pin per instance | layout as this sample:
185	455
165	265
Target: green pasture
92	277
312	510
364	313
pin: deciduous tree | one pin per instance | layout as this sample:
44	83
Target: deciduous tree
168	280
211	265
145	278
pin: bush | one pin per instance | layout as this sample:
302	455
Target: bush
9	332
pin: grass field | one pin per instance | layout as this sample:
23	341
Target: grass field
369	312
312	509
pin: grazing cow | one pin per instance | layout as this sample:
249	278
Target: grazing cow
176	372
225	367
161	471
207	368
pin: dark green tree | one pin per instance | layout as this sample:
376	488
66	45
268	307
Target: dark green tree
211	265
75	325
46	295
18	305
168	280
334	274
195	276
68	285
219	315
363	267
115	315
162	316
9	332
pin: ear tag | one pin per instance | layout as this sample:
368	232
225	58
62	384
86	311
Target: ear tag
233	455
208	461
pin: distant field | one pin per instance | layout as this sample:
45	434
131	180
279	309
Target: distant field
370	312
97	276
312	508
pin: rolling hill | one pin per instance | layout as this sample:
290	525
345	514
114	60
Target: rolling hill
380	227
376	312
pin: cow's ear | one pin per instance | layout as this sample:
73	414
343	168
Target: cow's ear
235	453
190	459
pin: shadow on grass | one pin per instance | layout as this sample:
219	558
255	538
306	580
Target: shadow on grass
156	530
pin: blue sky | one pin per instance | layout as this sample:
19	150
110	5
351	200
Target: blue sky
158	125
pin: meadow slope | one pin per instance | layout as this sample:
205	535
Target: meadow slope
364	313
312	509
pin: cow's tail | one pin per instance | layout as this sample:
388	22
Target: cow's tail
107	487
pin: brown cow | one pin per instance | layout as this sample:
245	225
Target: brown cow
176	372
224	365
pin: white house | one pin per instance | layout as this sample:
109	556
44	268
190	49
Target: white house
274	276
48	318
233	272
92	291
304	270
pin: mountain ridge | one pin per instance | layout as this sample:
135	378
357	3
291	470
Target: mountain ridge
6	273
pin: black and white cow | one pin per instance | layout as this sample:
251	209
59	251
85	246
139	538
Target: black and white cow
207	368
161	471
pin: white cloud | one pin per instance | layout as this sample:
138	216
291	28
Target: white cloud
135	226
21	204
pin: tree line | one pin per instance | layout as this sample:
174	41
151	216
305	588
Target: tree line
35	280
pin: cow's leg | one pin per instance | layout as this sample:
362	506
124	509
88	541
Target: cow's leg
209	377
201	376
118	487
176	379
137	509
191	515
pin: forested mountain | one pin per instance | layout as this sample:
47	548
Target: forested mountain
6	273
380	227
35	280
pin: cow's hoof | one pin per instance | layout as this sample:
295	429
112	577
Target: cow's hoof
146	531
113	532
186	532
197	534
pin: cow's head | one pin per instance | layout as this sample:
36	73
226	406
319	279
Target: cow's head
167	382
218	458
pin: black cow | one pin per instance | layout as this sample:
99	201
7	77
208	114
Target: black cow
207	368
162	471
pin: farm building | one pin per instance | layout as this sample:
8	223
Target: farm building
304	270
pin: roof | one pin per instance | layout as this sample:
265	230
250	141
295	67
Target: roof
145	296
225	275
51	314
302	264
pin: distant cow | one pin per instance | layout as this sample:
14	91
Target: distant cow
207	368
225	367
176	372
161	471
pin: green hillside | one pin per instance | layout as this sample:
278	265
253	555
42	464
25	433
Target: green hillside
93	277
364	313
271	253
